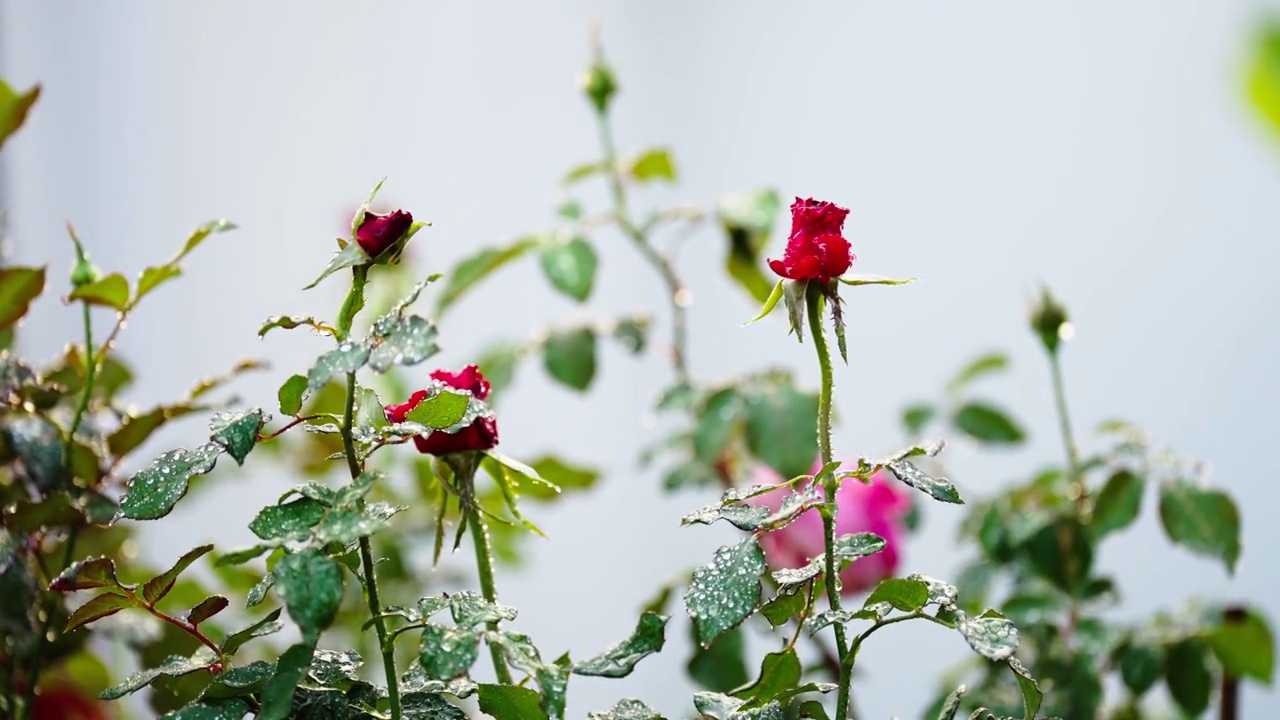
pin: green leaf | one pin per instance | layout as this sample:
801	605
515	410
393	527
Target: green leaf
916	417
291	393
349	256
1062	552
1186	672
770	302
108	603
225	709
429	706
1032	697
747	219
784	607
905	595
442	408
160	585
206	609
1117	505
1141	665
266	626
508	702
479	266
724	707
344	527
153	277
619	660
627	709
498	365
258	592
793	292
289	323
153	492
570	357
583	171
331	667
446	653
95	572
743	517
867	280
813	709
938	488
173	666
722	666
14	107
469	609
780	425
290	521
726	591
991	634
719	417
277	696
858	545
404	341
243	680
111	291
311	587
952	704
1263	79
18	285
631	332
779	673
570	266
558	473
987	424
346	358
237	431
986	364
1245	647
1204	521
653	164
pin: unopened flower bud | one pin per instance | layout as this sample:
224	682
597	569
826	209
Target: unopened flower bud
598	84
1049	321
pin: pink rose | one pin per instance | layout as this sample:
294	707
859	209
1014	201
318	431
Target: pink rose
877	508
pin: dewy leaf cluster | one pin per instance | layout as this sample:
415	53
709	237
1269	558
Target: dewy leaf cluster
335	609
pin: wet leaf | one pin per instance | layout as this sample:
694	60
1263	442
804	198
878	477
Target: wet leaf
779	673
991	634
619	660
237	431
905	595
266	626
938	488
173	666
108	603
289	323
446	653
627	709
290	394
160	585
224	709
207	608
349	256
726	591
153	492
508	702
406	340
424	706
470	609
95	572
277	696
331	667
311	587
346	358
290	521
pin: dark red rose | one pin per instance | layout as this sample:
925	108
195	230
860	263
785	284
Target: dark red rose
66	703
379	232
481	434
815	250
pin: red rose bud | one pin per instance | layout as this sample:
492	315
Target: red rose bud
481	434
815	250
379	232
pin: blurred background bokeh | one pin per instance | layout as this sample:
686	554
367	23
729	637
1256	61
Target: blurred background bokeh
1108	149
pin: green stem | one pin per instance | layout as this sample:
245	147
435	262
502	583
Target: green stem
351	306
846	665
484	566
91	364
1068	438
677	293
813	298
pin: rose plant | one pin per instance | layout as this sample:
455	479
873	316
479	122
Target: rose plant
392	456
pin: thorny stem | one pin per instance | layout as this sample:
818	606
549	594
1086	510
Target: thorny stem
677	293
484	567
35	666
179	623
813	297
352	305
289	426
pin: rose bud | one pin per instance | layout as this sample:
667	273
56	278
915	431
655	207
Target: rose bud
816	250
379	232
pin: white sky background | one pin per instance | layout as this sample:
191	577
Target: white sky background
985	147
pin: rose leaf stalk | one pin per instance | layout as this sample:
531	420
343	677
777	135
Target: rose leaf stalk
351	306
